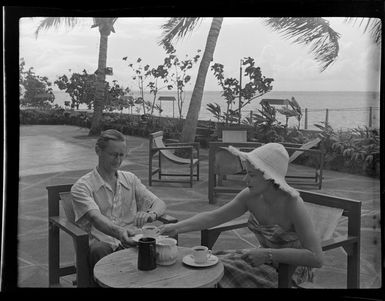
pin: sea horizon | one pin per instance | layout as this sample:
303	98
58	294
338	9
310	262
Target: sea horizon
346	109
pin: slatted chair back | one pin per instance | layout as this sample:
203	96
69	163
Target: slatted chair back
66	202
234	135
325	219
157	147
157	142
307	145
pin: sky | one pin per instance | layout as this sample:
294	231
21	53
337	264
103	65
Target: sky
56	51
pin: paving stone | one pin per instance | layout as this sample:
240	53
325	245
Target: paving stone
53	155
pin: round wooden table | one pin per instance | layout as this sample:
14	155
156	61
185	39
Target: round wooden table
120	270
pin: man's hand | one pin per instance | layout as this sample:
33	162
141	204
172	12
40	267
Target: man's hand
125	238
143	217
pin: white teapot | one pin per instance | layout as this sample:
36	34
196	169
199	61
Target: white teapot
166	251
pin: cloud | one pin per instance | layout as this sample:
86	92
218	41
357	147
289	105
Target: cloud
291	65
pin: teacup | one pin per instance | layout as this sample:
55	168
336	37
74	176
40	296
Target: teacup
150	231
201	254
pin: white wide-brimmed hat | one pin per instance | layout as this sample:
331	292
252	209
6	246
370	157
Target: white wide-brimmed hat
272	160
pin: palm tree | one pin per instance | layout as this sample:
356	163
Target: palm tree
106	26
315	32
373	25
178	27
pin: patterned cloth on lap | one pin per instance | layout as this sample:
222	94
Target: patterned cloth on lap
242	274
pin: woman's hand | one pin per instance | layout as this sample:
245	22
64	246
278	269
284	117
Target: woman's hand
141	218
255	257
168	229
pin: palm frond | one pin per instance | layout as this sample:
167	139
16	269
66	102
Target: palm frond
177	28
49	22
373	25
314	31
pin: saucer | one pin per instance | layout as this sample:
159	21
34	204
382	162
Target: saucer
139	236
189	260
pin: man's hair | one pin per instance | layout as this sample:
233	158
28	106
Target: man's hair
107	136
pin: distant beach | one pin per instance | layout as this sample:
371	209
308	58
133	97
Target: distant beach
347	109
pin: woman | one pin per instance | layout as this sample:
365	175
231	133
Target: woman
278	218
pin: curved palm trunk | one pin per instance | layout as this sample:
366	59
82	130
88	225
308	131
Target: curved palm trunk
189	128
96	125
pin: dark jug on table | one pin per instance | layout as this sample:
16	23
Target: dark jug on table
146	253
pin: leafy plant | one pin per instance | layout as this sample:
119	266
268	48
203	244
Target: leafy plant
178	73
362	144
141	74
117	98
173	74
268	128
34	90
295	111
358	148
80	87
233	92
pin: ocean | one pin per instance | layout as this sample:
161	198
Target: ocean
346	109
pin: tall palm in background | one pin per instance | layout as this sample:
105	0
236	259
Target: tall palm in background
179	27
106	26
316	32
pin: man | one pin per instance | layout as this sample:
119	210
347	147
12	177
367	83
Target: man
111	204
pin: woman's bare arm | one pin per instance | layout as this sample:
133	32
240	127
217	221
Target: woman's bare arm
311	254
208	219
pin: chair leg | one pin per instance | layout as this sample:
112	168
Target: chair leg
220	178
209	237
150	170
82	267
353	274
284	275
53	255
191	175
198	171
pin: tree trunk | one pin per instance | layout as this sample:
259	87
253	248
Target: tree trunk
96	125
189	128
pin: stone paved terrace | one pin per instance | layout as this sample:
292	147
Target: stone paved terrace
51	155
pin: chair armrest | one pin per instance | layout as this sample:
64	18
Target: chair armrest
167	219
170	141
80	239
68	227
344	242
172	147
183	144
210	236
193	144
234	224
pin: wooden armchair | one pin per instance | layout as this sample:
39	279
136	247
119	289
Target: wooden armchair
157	146
234	133
62	194
221	164
350	242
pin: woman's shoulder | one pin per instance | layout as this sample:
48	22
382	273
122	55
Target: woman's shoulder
295	206
246	196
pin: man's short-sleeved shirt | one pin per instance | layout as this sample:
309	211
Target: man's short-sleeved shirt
92	192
